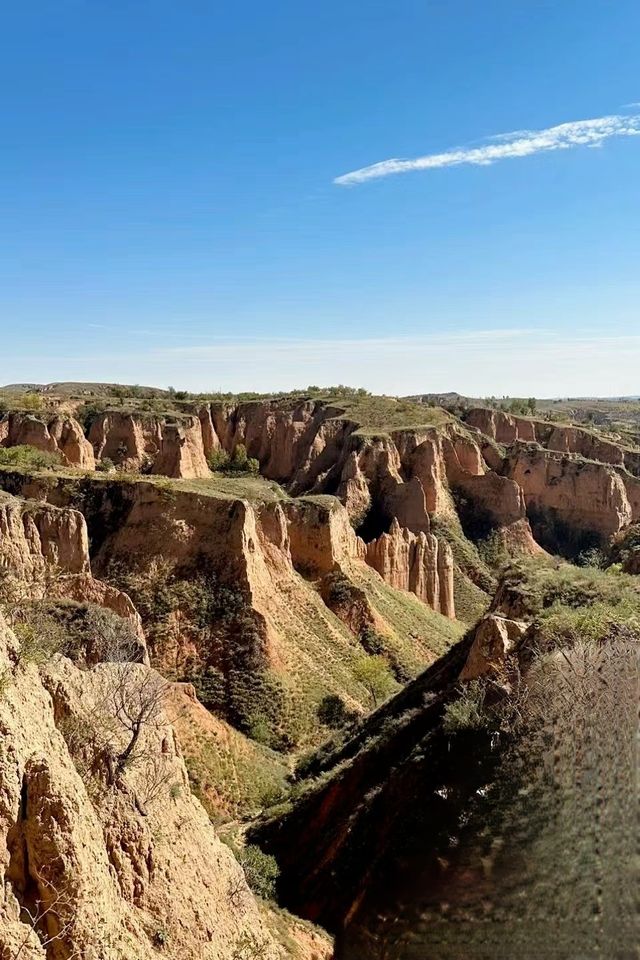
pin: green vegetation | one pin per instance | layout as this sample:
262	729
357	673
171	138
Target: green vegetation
31	401
260	869
84	632
466	711
239	463
380	416
570	604
333	712
229	665
465	553
419	633
374	674
231	775
473	577
27	457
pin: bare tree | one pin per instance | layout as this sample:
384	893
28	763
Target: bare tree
133	696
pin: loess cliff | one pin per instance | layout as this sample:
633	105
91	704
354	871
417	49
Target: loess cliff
342	591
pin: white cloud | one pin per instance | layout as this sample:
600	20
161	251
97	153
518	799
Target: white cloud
505	146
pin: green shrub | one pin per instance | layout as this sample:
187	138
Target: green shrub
466	712
372	642
218	460
87	413
373	673
592	557
241	463
210	688
260	869
25	455
106	465
84	632
39	635
31	401
339	589
333	713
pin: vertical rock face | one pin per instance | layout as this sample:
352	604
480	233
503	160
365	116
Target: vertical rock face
34	537
320	536
210	441
586	444
182	451
590	497
502	426
172	448
125	439
117	882
299	443
420	563
47	547
62	435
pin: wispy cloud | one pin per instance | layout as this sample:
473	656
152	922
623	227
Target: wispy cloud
505	146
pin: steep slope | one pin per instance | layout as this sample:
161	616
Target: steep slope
117	869
452	779
231	592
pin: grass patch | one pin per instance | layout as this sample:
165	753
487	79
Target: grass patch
24	456
381	416
570	604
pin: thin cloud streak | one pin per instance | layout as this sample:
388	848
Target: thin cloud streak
506	146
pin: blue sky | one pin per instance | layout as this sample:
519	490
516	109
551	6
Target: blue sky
170	216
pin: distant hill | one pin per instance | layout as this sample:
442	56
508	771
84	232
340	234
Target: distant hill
91	389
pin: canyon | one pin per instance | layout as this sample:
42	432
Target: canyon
310	621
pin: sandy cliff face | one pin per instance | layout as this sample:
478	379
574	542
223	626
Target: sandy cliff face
571	482
562	438
419	563
587	497
119	874
503	427
35	536
300	443
62	435
405	476
47	548
153	444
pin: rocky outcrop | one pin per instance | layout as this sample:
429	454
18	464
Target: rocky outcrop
153	444
182	451
300	443
36	537
47	549
320	536
586	497
562	438
494	639
504	427
59	435
566	439
127	868
420	563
